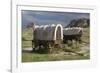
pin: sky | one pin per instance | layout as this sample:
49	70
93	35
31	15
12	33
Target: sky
50	17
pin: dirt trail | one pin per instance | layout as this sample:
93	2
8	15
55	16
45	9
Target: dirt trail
27	49
85	50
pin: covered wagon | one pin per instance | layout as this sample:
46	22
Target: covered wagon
46	36
73	33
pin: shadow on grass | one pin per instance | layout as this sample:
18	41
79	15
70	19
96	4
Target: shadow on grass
38	51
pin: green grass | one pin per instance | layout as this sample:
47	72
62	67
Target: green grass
27	38
33	57
26	44
86	35
27	34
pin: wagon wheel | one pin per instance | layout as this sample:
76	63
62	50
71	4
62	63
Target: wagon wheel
33	46
50	47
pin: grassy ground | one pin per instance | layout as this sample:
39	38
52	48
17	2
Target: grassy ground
62	55
27	38
35	57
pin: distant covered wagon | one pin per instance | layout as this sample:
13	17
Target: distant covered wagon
46	36
73	33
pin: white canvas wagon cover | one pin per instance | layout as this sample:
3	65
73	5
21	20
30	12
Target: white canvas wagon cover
48	32
72	31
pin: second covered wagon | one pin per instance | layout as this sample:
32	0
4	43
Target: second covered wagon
73	33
